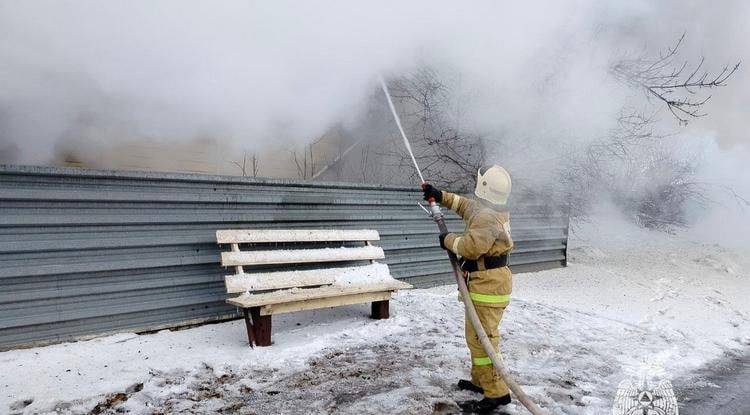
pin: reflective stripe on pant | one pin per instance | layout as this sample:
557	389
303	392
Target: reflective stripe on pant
482	371
489	298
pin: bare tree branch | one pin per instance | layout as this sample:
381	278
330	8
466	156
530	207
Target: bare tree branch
447	155
669	82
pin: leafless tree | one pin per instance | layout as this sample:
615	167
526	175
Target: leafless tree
642	174
305	162
447	155
677	84
646	180
658	189
364	162
301	162
254	165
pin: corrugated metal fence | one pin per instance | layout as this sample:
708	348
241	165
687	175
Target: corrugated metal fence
85	252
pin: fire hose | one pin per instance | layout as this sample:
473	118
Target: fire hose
471	312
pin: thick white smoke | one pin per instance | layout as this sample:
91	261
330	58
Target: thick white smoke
254	71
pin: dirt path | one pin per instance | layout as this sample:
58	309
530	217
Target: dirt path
382	378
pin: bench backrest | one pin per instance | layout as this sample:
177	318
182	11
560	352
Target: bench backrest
325	275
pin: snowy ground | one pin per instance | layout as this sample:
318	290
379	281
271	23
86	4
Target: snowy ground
630	301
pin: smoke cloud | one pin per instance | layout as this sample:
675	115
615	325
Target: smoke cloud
254	71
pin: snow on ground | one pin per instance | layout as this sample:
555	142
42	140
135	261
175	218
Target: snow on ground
629	301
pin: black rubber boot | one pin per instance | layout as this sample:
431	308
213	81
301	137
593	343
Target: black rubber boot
466	385
485	406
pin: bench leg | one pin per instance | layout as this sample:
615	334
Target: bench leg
261	327
380	310
249	327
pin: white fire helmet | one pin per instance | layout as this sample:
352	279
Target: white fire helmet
493	184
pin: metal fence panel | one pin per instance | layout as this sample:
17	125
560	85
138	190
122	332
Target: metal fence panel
87	252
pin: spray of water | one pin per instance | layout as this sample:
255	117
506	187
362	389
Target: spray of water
400	128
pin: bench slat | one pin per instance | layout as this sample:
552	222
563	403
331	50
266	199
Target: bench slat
374	273
324	303
274	280
248	236
297	256
294	295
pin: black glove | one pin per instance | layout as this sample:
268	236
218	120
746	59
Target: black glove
431	192
442	240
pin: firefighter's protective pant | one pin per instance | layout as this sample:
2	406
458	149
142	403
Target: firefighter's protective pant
482	371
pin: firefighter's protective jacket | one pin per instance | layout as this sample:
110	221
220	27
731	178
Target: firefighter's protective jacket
487	233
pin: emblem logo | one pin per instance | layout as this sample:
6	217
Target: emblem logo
645	399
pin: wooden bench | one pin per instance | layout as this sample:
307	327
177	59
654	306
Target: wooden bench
321	277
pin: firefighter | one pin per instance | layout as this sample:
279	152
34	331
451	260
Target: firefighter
483	251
